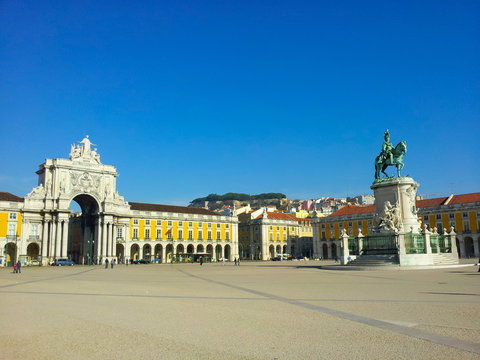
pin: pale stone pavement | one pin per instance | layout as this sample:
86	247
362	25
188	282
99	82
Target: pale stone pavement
265	310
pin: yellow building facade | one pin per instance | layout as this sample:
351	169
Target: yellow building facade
462	212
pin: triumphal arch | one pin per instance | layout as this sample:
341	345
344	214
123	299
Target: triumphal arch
107	227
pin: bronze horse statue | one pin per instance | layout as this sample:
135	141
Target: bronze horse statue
382	161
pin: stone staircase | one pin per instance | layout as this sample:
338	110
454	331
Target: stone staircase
375	260
444	259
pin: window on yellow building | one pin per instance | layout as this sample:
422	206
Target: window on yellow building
13	216
147	222
159	233
200	235
135	234
135	221
147	234
190	235
180	234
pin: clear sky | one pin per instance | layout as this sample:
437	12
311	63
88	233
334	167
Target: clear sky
188	98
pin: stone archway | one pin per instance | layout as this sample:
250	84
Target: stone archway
210	250
83	245
147	252
158	253
190	249
325	251
11	252
200	248
169	253
33	252
135	252
218	252
334	251
120	251
469	248
278	250
227	252
271	251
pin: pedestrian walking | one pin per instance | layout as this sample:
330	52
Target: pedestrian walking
235	260
14	268
111	263
238	262
106	263
126	262
201	261
19	267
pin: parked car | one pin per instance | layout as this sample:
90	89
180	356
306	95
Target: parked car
63	262
276	258
141	261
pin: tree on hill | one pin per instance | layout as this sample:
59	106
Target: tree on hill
240	197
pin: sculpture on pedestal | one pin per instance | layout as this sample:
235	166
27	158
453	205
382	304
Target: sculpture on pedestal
390	156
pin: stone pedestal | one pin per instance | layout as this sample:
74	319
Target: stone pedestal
395	201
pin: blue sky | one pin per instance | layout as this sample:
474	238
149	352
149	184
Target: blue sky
188	98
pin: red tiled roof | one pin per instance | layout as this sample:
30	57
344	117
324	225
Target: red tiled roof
430	202
6	196
170	208
279	216
465	198
354	210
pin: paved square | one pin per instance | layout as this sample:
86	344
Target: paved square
287	310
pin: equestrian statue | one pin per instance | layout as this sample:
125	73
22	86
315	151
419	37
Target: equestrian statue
390	156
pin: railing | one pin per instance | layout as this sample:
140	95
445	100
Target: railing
434	243
414	244
33	238
352	246
444	247
379	244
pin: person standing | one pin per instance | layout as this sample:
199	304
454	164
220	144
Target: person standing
235	261
106	263
112	263
19	267
14	268
238	262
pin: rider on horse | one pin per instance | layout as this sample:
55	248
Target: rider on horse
387	148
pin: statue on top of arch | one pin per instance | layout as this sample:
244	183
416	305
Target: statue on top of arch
82	152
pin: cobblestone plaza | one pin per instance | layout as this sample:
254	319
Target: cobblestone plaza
284	310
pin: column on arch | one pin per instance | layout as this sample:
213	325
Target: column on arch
104	238
44	239
58	238
65	227
113	247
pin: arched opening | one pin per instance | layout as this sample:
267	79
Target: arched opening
158	253
218	251
120	249
83	245
147	252
33	253
325	251
469	249
278	250
134	252
210	250
334	251
200	248
169	253
284	249
227	252
190	249
10	252
180	249
271	251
